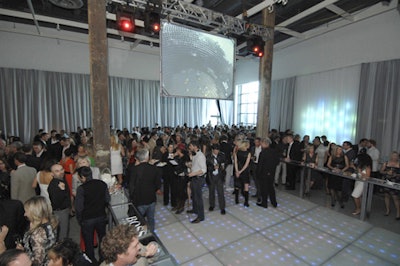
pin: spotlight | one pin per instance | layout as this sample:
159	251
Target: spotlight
125	24
152	22
255	46
125	19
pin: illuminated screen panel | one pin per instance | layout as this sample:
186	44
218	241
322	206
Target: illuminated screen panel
326	104
195	63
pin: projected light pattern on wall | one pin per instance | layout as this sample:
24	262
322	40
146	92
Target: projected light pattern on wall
326	104
195	63
335	119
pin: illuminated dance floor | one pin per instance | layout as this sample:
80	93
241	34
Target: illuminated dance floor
298	232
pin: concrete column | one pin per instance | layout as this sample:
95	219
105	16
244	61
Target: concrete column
265	75
99	82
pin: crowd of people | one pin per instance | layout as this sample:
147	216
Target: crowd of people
56	178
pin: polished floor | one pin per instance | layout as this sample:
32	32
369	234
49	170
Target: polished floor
299	232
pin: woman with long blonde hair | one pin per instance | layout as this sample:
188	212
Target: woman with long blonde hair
116	153
42	230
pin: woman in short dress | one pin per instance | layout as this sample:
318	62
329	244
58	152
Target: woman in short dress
391	171
338	163
363	165
242	172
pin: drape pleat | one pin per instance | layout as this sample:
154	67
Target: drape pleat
34	99
378	105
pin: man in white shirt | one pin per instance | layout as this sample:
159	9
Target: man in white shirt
197	179
373	152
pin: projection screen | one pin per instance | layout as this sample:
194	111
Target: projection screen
195	63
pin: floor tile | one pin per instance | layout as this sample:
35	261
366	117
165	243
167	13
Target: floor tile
354	256
293	205
256	217
308	243
337	224
382	243
218	230
256	250
180	242
206	260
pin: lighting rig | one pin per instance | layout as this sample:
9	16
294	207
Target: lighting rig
173	10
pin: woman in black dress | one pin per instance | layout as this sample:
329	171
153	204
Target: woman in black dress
338	163
242	176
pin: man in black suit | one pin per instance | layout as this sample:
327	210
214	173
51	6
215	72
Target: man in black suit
216	175
293	154
144	183
267	162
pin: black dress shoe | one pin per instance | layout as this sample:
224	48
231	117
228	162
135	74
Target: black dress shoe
179	211
211	209
254	196
262	205
274	205
190	211
223	211
196	221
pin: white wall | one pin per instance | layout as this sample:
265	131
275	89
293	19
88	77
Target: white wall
25	49
370	40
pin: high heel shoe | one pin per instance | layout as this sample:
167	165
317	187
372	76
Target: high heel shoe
356	212
386	213
398	218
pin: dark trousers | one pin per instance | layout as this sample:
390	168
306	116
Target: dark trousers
88	227
268	190
196	185
181	191
169	185
216	183
291	174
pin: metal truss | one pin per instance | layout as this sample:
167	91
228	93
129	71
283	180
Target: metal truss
218	22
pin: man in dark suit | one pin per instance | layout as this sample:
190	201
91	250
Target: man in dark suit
216	175
293	154
227	149
267	162
144	183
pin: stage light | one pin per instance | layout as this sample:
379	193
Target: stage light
156	27
152	22
125	19
255	46
125	24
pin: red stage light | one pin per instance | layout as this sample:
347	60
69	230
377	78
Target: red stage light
126	24
156	27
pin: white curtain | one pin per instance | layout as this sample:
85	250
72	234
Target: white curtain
281	103
134	103
378	105
326	104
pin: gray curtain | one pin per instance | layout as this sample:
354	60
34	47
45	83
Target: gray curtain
134	102
282	103
177	111
34	99
378	105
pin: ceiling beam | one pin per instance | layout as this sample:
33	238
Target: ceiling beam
257	8
290	32
80	25
343	13
371	11
307	12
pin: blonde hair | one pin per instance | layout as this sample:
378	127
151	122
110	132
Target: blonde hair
114	142
243	145
39	211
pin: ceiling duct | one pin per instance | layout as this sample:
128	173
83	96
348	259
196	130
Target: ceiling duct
67	4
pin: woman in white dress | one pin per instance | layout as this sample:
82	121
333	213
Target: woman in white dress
116	153
43	178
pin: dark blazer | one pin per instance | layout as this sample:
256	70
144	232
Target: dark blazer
295	151
267	162
144	181
221	163
227	149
